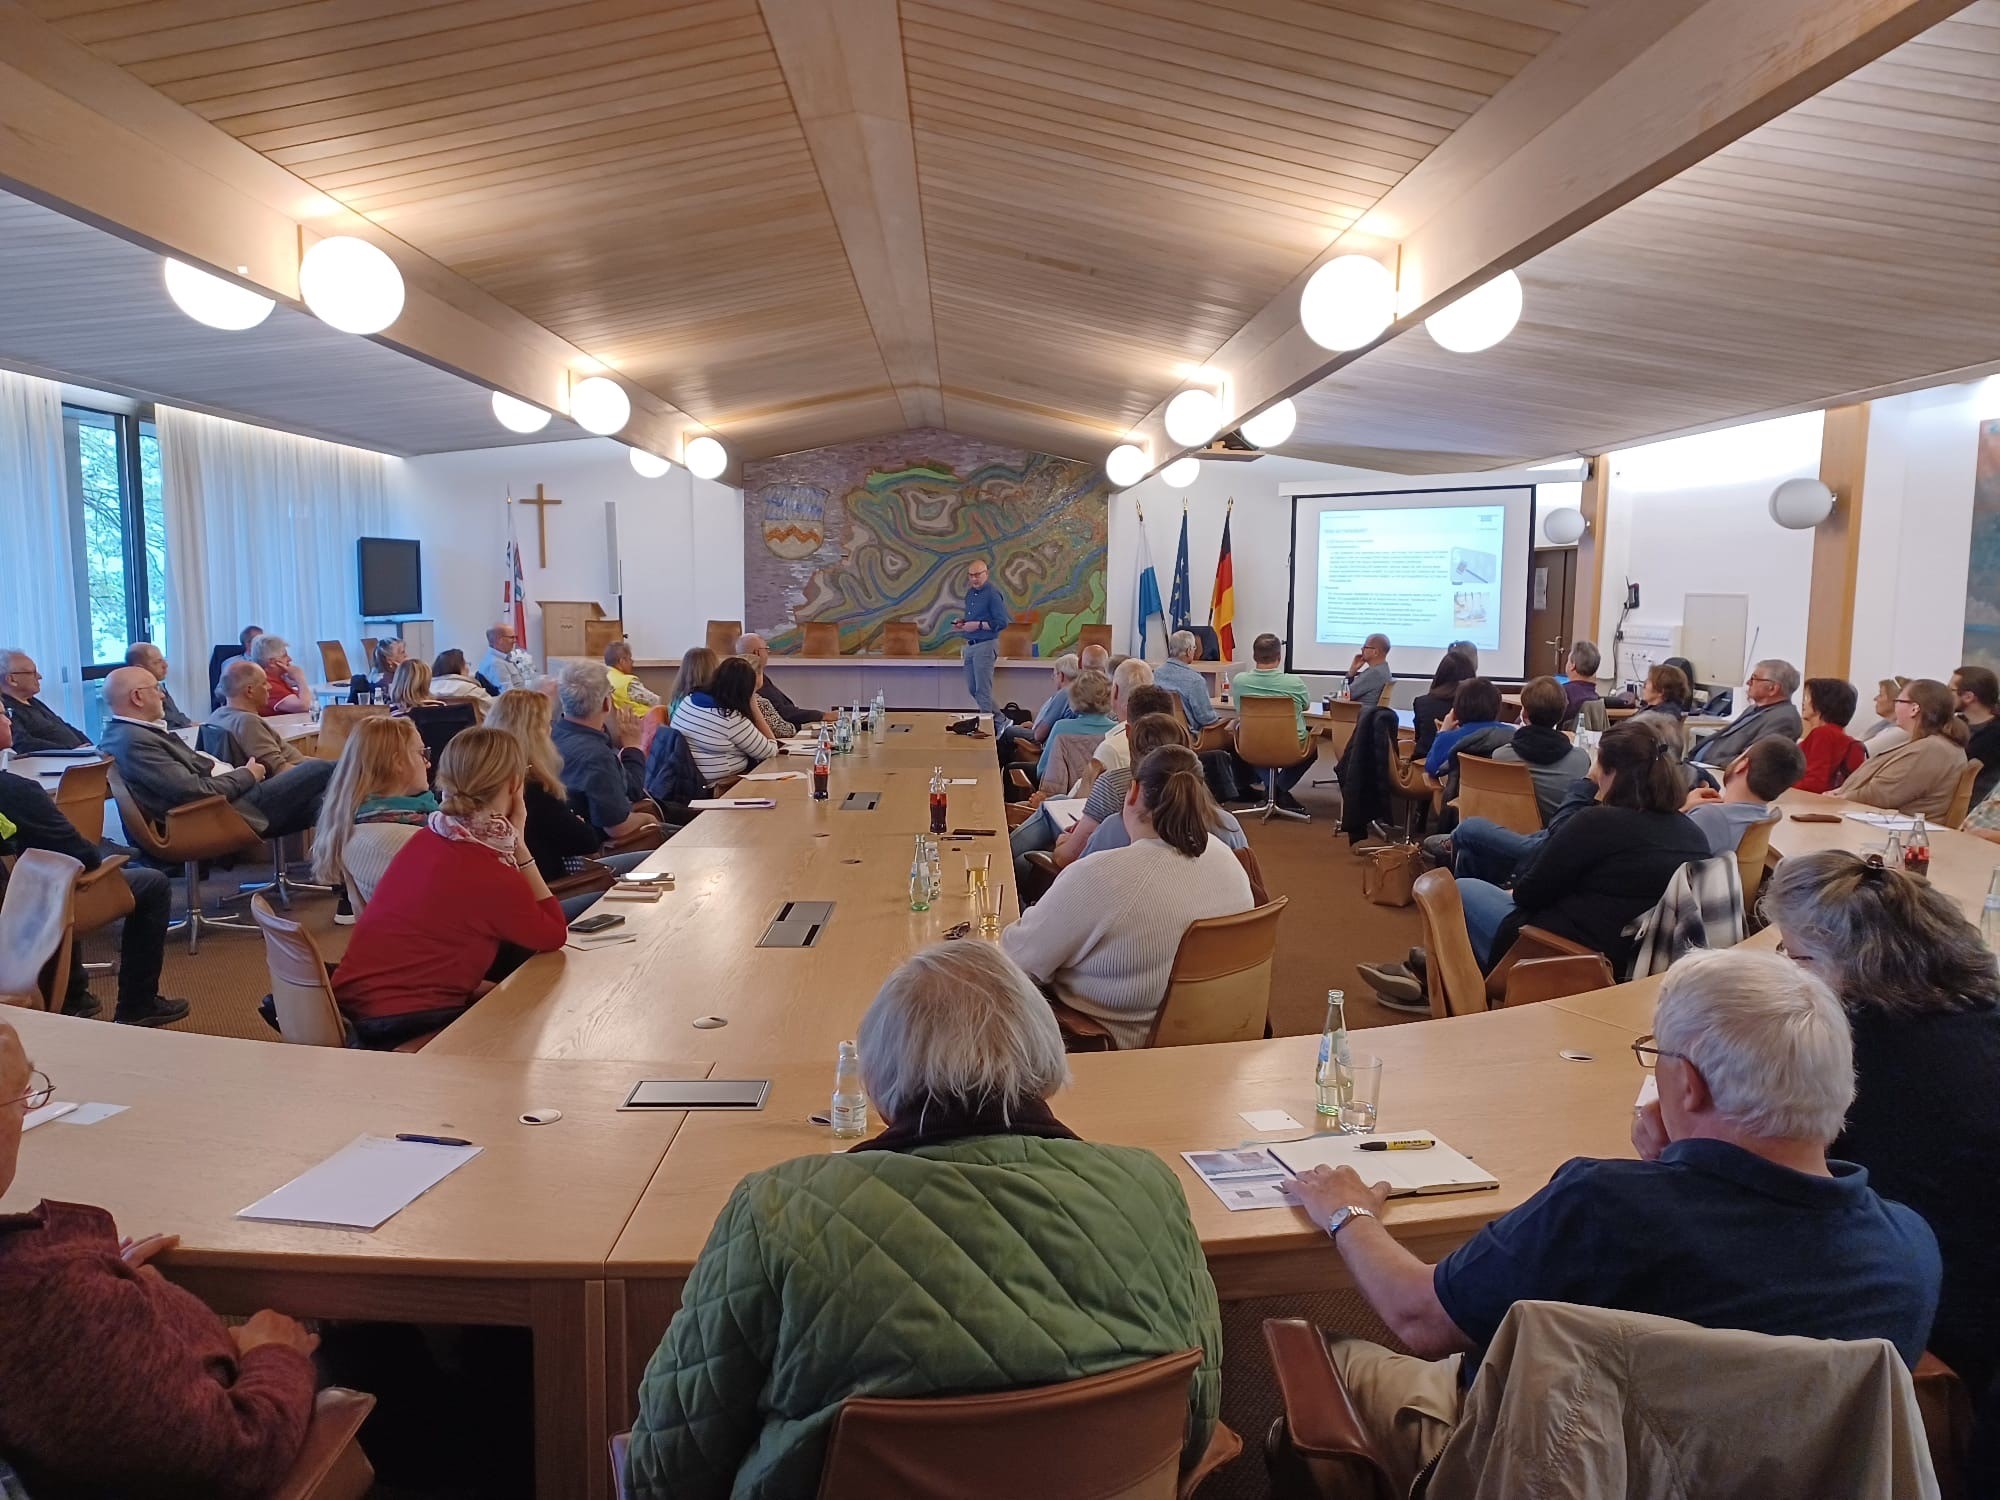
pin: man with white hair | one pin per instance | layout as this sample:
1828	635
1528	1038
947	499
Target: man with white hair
1369	677
756	650
291	692
602	766
37	727
1025	741
1175	675
1770	688
1114	751
146	654
506	664
1732	1218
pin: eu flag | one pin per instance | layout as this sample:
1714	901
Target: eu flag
1178	609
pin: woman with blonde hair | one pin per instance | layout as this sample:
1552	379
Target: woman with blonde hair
697	671
1919	776
411	688
456	907
377	799
1883	734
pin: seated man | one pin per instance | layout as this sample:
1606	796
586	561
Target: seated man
1267	680
1733	1218
1178	677
1369	676
1580	668
602	765
631	696
1090	700
146	654
1094	659
39	824
1128	677
757	651
505	664
1024	741
1107	793
1754	780
162	772
245	718
1553	762
1769	691
1978	692
291	690
37	727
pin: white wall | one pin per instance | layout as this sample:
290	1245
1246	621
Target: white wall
680	538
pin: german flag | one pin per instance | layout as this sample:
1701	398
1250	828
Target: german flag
1222	603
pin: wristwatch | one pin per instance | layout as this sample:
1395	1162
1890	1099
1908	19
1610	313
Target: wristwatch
1340	1217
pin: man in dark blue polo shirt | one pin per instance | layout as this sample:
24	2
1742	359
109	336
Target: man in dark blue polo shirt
986	615
1733	1218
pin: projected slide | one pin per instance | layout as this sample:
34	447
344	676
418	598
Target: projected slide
1426	576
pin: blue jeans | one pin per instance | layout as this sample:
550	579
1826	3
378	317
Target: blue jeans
979	657
1487	909
1483	850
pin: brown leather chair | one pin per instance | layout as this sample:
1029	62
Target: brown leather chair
333	662
1451	971
1501	791
331	1465
1093	635
1589	969
1220	987
723	636
1961	796
1946	1408
207	828
301	987
902	638
1267	736
1247	857
36	918
336	723
820	638
81	795
1753	853
1341	717
368	645
1016	640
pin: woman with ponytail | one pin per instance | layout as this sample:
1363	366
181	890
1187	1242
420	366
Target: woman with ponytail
458	904
1602	865
1920	775
1103	938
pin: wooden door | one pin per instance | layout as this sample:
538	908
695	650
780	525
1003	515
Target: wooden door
1551	596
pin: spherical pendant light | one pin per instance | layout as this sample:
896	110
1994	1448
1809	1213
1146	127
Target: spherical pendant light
1194	416
705	457
1272	425
350	284
1801	504
1481	318
1348	302
1565	527
518	416
211	300
647	465
599	404
1179	474
1125	465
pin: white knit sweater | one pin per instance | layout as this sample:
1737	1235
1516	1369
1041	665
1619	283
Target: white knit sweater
1105	935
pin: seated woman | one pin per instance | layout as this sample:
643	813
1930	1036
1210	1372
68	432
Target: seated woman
1666	699
1826	708
1923	995
378	797
431	941
390	653
558	838
1090	702
1885	733
410	689
631	696
697	670
1431	707
452	679
116	1381
291	692
717	723
1103	938
947	1255
1919	776
1600	866
1107	830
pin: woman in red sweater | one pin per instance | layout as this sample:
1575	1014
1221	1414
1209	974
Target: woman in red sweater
1832	754
430	941
116	1381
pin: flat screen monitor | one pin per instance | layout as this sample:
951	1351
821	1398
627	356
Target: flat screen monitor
392	578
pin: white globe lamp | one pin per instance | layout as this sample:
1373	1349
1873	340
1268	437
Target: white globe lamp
1801	504
648	465
1271	426
1565	527
1125	465
1179	474
518	416
705	457
1481	318
1194	416
1348	302
209	299
351	285
599	404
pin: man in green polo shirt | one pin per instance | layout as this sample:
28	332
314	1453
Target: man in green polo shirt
1265	680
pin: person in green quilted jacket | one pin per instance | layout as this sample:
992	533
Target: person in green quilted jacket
974	1245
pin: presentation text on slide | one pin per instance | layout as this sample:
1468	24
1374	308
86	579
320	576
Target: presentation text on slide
1424	577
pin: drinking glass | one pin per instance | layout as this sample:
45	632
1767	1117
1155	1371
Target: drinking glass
977	868
1362	1073
990	895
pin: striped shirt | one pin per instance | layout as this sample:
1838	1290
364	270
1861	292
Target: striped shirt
722	743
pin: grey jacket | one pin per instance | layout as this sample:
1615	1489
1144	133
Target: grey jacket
1720	748
161	772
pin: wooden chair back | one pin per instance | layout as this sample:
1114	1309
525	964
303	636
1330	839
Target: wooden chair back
1961	794
1016	640
1093	635
1451	971
336	723
902	638
368	645
1753	853
333	662
1220	987
1119	1435
1501	791
102	896
1267	732
821	638
1254	873
36	928
81	795
202	829
301	988
1341	716
331	1465
723	636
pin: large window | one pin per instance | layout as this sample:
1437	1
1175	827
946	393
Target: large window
118	532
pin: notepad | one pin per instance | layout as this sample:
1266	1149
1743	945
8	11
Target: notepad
1408	1173
707	804
775	776
1063	812
363	1185
1895	822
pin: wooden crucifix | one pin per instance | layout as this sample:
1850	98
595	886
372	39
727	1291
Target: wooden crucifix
541	502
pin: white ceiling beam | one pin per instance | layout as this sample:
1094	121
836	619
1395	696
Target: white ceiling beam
844	67
1632	94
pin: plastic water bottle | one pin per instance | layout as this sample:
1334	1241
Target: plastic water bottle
1329	1079
850	1102
1989	919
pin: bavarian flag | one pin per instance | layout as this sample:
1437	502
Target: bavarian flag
1222	603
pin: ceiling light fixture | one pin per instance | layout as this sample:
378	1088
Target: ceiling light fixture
210	300
1272	425
518	416
647	465
705	457
1194	416
351	285
1801	504
1348	303
1479	319
599	404
1565	527
1126	465
1179	474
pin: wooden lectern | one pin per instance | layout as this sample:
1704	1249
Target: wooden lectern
570	628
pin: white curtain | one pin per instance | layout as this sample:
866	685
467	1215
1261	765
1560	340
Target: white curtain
261	528
38	607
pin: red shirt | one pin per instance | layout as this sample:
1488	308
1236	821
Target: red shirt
118	1382
1832	755
281	688
434	926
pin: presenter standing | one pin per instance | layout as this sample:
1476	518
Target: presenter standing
986	615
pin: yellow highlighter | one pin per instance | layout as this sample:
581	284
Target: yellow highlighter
1413	1144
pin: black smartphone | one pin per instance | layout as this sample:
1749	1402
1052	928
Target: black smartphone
597	921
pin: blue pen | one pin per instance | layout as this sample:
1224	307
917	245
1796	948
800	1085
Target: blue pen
434	1140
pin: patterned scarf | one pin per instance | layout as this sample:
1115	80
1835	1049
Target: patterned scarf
412	812
487	829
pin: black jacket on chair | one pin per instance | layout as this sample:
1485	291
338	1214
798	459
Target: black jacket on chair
1366	782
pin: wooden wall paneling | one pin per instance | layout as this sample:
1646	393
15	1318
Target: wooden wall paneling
1836	559
1588	599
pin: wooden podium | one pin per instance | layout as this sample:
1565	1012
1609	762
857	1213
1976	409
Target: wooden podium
571	628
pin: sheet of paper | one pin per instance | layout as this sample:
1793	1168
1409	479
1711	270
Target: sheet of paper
1242	1179
55	1109
1438	1170
775	776
584	942
707	803
1063	812
1894	821
1268	1119
90	1114
363	1185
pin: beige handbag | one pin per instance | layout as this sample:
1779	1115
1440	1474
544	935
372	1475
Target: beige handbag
1391	874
